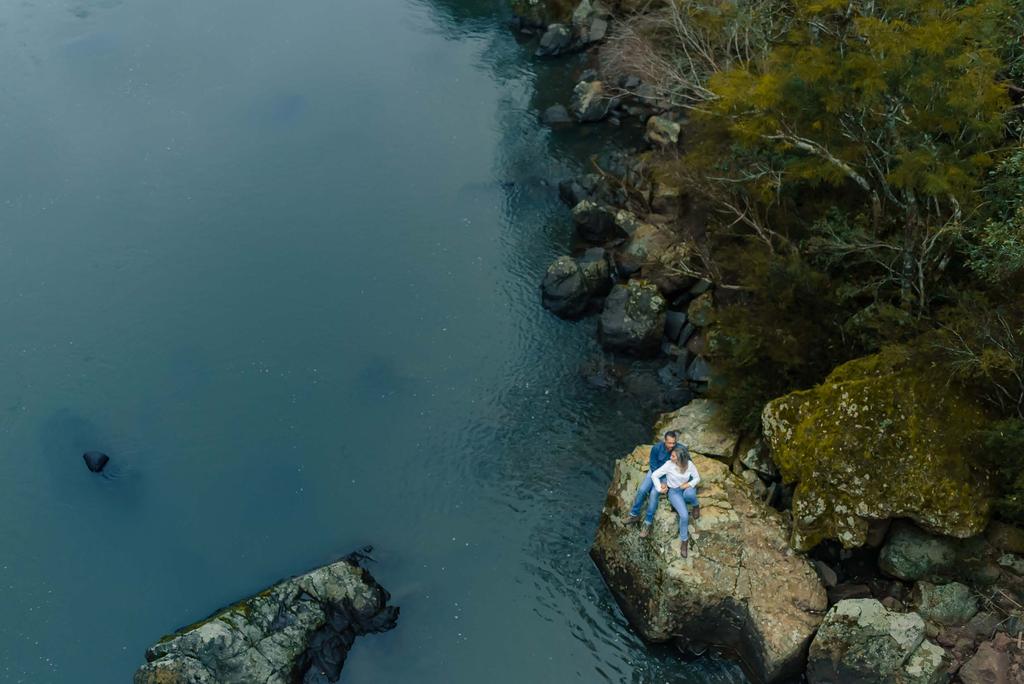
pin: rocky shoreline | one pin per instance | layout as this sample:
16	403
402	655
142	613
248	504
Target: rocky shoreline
848	542
299	630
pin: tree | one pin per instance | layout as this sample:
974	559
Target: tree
894	107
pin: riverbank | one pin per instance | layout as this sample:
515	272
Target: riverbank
904	574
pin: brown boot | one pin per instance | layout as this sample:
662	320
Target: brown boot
645	530
683	548
631	520
695	513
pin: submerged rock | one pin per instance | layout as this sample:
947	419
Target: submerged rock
862	642
298	631
95	461
882	437
633	319
741	588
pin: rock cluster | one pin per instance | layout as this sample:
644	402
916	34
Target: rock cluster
297	631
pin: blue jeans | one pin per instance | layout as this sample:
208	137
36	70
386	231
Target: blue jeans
646	487
679	498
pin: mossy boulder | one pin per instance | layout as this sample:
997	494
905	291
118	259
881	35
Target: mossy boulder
885	436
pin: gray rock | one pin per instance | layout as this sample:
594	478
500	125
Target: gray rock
945	604
700	287
633	319
828	576
700	370
575	190
699	428
751	478
569	284
757	459
662	132
686	333
1012	562
590	101
297	631
912	554
564	288
862	642
556	114
594	222
675	321
556	40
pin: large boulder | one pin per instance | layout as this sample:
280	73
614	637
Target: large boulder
700	428
741	588
297	631
633	319
883	437
569	284
862	642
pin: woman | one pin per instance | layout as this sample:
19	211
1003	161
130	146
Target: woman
681	478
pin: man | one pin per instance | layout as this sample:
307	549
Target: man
680	483
660	453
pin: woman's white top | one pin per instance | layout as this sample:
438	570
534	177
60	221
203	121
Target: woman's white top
675	477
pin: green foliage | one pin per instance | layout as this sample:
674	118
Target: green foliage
781	333
892	110
1001	451
981	341
996	247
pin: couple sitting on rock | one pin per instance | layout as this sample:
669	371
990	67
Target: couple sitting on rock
673	473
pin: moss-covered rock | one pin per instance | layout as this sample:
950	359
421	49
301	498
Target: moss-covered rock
885	436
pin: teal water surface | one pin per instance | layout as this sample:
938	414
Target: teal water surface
280	261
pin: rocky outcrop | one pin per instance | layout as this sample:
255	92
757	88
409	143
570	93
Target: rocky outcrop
861	642
741	588
633	319
297	631
882	437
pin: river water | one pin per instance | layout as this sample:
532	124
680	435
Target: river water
280	261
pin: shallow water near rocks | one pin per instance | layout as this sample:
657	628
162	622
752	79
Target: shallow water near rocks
280	262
